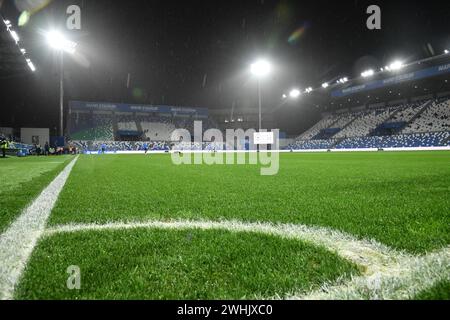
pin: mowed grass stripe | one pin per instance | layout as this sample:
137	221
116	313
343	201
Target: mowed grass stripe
21	180
177	264
399	199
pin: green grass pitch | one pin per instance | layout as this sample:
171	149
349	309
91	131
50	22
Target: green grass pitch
399	199
22	179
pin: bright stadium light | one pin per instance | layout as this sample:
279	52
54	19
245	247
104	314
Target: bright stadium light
284	96
295	93
368	73
31	65
14	35
394	66
308	90
16	39
325	85
57	41
260	68
446	51
342	80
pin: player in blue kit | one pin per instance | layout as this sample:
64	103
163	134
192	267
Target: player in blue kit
145	147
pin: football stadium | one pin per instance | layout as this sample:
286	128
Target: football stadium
243	153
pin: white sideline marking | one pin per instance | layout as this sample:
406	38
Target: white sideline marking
386	273
18	241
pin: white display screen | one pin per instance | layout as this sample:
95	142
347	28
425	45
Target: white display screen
263	138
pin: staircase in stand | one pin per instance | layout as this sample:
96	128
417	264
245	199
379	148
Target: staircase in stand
115	128
422	110
339	140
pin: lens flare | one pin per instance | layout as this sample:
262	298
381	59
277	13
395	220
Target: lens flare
297	34
28	8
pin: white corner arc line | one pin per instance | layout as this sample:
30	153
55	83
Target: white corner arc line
18	241
386	274
401	280
370	255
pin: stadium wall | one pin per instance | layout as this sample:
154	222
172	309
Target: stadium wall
35	135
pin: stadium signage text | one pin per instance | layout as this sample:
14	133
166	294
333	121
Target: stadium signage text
123	107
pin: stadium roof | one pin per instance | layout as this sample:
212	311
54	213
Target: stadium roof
12	62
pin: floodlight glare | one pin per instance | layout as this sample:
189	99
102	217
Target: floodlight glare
446	51
342	80
368	73
31	65
308	90
325	85
284	96
57	41
14	35
396	65
295	93
260	68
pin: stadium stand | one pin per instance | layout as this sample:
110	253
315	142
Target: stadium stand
314	131
365	122
158	131
435	118
120	145
429	139
96	126
417	124
311	144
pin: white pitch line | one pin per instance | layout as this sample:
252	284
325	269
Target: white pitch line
18	241
369	255
386	273
401	280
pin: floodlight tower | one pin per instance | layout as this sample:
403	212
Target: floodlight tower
260	69
57	42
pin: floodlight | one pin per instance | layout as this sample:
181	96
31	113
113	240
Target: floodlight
260	68
295	93
284	96
368	73
325	85
57	41
446	51
14	35
31	65
308	90
396	65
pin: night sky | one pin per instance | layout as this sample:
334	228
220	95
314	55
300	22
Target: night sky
197	53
